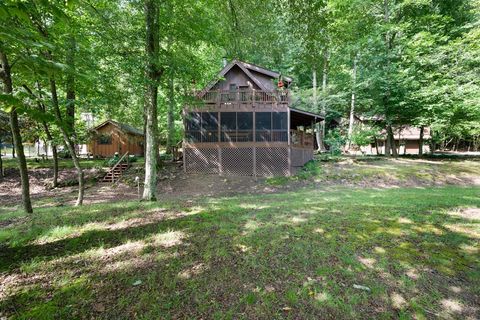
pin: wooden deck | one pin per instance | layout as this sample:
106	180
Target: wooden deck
242	96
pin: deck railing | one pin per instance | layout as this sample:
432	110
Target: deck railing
301	139
244	96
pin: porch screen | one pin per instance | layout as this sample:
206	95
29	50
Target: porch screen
236	126
201	127
271	126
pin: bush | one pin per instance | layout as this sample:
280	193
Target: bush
310	169
64	154
109	162
335	140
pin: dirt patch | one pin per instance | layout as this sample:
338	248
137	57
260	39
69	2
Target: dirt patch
173	183
40	180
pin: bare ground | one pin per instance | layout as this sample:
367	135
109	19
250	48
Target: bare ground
174	183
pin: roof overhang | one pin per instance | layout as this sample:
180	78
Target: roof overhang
245	67
303	118
116	125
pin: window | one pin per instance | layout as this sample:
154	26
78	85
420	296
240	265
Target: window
279	126
209	126
202	127
237	126
233	91
193	124
280	121
271	126
104	139
244	126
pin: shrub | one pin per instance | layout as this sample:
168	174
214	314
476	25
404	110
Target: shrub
335	140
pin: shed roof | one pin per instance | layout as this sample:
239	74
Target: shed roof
303	118
122	126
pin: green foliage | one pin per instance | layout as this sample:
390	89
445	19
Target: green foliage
310	169
363	136
335	141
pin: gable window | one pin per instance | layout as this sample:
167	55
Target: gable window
104	139
232	91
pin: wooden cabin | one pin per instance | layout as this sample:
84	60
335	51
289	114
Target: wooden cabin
111	136
406	137
242	124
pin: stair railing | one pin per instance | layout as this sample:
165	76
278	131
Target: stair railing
117	164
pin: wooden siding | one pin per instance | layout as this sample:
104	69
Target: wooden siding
121	142
235	76
251	158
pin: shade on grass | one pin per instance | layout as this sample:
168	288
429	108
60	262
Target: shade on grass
414	251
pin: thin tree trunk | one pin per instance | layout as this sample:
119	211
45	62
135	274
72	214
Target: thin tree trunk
16	136
376	145
1	161
352	105
153	74
420	142
68	142
318	131
324	95
391	142
43	110
70	87
171	110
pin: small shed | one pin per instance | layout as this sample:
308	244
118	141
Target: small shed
242	124
111	136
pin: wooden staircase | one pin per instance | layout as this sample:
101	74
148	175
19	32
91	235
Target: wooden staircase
116	172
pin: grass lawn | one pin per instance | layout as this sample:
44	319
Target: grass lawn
62	163
332	252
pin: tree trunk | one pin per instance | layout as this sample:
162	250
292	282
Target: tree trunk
16	136
390	146
68	142
170	117
70	87
153	74
43	110
318	131
1	161
323	110
376	146
420	142
352	105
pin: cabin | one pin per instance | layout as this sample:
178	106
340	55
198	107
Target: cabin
242	124
111	137
406	137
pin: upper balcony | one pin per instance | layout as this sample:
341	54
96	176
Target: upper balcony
244	96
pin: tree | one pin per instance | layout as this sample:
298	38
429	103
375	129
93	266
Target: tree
153	74
6	76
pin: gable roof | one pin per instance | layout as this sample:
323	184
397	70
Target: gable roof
246	68
267	72
122	126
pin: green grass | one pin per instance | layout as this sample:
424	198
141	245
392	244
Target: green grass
404	171
292	255
62	164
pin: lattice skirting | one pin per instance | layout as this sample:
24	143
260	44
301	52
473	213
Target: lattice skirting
202	160
246	161
237	161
